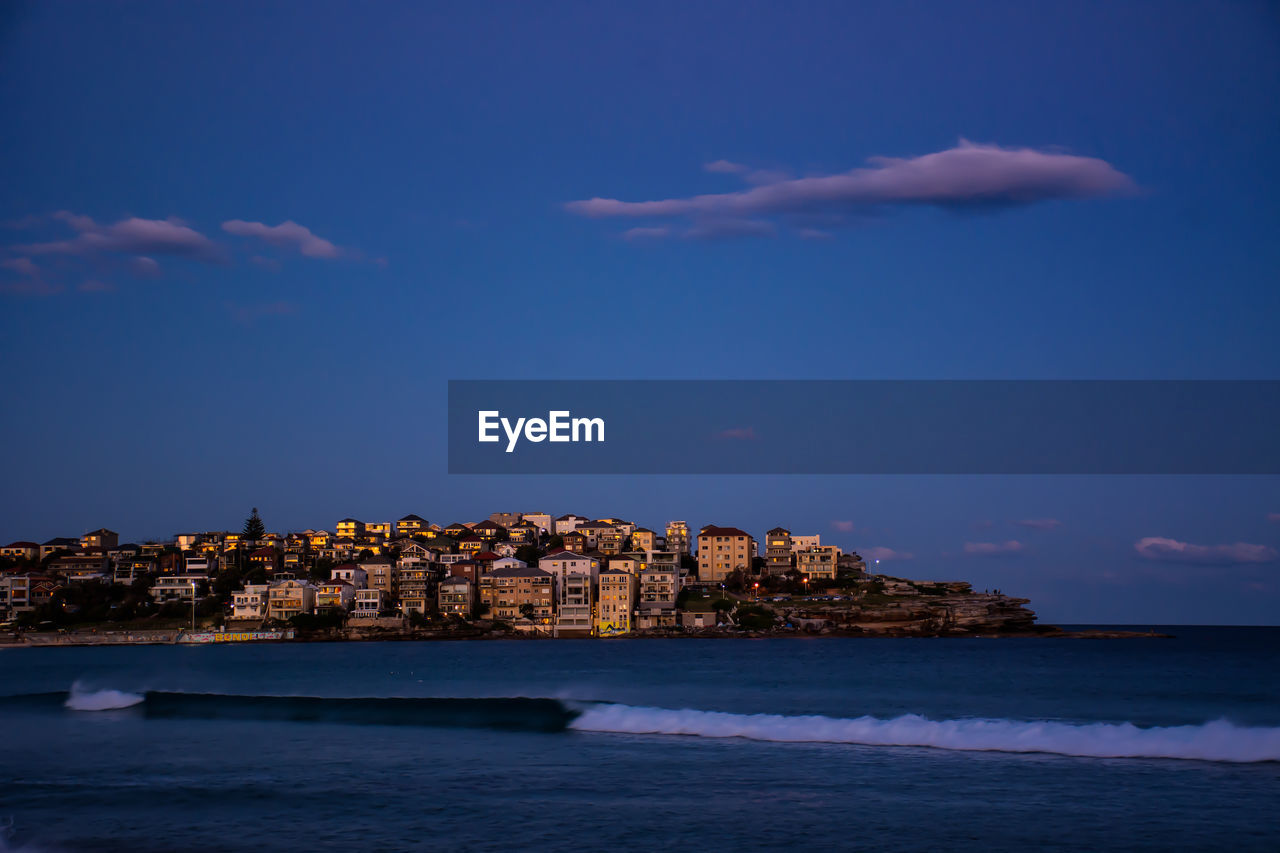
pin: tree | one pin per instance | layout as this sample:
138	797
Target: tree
254	529
527	554
527	610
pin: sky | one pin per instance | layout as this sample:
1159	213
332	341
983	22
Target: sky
244	246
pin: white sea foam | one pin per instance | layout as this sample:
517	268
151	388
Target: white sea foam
81	699
1213	741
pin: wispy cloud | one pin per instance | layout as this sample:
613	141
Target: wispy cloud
1172	551
993	549
842	526
1039	523
247	315
969	175
286	235
725	167
1273	517
738	433
133	236
885	555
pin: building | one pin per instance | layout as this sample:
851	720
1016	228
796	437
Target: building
416	588
723	551
541	520
100	538
656	604
23	552
803	543
563	563
514	594
644	539
505	519
287	599
575	612
334	596
617	602
818	562
352	574
250	602
59	543
178	587
381	573
678	537
411	524
568	523
777	551
456	597
370	603
379	530
350	528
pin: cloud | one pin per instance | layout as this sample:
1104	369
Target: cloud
286	235
738	434
641	234
813	234
1274	517
1173	551
725	167
969	175
716	229
993	549
843	526
23	266
1039	523
247	315
885	555
132	236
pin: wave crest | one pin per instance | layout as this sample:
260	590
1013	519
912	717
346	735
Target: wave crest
80	699
1213	741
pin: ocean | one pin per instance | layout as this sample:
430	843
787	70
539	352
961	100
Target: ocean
823	743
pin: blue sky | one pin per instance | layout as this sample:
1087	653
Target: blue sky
158	382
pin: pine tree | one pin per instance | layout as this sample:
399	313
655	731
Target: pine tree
254	529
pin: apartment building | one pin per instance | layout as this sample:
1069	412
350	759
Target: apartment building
334	596
575	606
287	599
369	603
678	537
818	562
250	602
456	597
722	551
514	594
416	588
777	551
617	602
659	587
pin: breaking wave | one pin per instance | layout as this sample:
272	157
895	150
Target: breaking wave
1218	740
80	699
1213	741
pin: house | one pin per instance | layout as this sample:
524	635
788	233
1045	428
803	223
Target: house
818	562
352	574
678	537
541	520
81	567
504	563
321	539
457	531
777	551
250	602
416	551
410	525
129	570
576	542
472	570
23	552
524	533
643	539
595	532
568	523
334	596
626	563
382	575
617	602
369	603
202	564
723	551
563	563
100	538
287	599
350	528
379	530
505	519
456	597
803	543
471	544
178	588
489	531
513	593
60	543
265	558
575	606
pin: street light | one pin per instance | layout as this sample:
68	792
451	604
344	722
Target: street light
193	605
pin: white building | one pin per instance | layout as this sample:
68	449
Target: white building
250	602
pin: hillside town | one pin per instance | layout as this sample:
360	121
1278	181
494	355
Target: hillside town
518	573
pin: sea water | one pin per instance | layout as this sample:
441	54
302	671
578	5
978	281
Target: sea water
891	744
